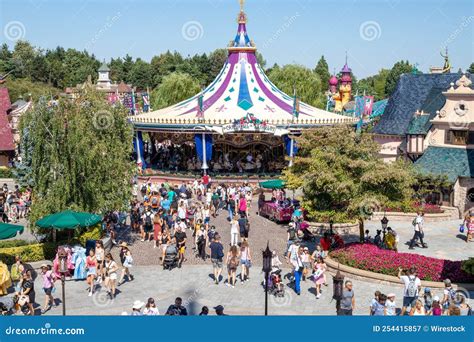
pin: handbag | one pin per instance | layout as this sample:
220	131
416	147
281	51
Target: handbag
461	228
248	263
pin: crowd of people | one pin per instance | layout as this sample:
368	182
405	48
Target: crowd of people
14	204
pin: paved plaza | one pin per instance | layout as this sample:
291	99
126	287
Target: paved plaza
193	282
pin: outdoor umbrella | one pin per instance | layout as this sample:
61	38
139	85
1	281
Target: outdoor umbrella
69	220
272	184
8	231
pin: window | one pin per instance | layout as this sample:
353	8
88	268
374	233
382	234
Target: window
470	138
458	137
470	195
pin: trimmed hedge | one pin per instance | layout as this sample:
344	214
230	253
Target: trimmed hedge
14	243
28	253
5	172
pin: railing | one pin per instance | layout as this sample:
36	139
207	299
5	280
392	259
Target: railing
174	121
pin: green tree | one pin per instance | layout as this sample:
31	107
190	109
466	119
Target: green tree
175	88
77	155
322	70
307	83
342	177
164	64
23	58
77	67
399	68
6	63
471	69
217	59
140	75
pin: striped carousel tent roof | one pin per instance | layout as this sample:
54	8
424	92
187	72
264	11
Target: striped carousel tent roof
241	90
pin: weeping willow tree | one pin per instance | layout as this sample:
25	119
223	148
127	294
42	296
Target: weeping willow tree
76	155
175	88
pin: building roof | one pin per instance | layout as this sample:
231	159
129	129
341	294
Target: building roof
122	87
449	161
104	67
418	123
410	95
241	89
6	136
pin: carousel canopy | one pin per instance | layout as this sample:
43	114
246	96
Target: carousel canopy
240	93
272	184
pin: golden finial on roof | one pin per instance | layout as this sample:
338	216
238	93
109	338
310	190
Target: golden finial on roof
242	18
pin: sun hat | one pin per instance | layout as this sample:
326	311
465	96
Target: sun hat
124	244
427	289
138	304
390	295
436	299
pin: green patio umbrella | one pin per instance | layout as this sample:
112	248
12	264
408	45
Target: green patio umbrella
8	231
69	220
272	184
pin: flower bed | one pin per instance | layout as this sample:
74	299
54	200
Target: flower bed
415	207
371	258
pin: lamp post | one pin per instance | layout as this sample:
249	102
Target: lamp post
331	223
384	222
267	267
62	257
338	287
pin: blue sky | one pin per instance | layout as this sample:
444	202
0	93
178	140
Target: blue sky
375	33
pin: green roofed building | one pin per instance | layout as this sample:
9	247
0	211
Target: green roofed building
440	140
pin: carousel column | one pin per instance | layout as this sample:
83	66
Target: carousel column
204	166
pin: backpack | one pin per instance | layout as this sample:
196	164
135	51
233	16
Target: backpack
148	219
411	288
452	294
413	222
292	234
233	262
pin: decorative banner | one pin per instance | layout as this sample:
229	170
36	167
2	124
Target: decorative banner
112	98
199	143
288	146
368	104
138	148
146	102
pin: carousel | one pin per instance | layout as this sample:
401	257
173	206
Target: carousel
240	123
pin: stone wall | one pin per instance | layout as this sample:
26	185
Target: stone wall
449	213
338	228
461	188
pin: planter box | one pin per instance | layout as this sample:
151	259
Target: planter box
351	272
449	214
338	228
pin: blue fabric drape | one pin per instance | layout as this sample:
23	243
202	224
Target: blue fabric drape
288	146
199	143
138	147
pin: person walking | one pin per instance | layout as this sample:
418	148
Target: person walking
157	225
297	264
147	224
100	256
412	288
234	231
217	253
110	269
28	291
245	261
91	269
348	302
180	237
48	287
319	278
418	223
390	305
232	262
127	264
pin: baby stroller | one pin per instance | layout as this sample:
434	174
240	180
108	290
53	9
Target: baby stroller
171	258
275	285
